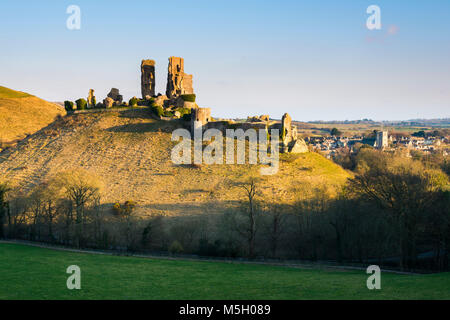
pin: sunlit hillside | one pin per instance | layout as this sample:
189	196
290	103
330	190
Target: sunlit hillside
130	152
22	114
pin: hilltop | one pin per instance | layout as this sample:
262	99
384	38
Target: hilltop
130	152
22	114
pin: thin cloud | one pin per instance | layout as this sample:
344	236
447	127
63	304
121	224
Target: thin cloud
392	30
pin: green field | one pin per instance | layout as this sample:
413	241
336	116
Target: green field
35	273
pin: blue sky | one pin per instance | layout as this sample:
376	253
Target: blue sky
313	59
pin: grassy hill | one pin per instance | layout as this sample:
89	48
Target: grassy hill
22	114
37	273
130	152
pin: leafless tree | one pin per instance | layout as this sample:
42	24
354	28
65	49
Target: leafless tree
4	189
248	228
80	187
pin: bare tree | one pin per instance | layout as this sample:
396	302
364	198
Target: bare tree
152	233
18	208
4	189
44	199
80	187
248	228
277	218
127	217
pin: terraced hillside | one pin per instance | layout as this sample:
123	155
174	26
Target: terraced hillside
22	114
130	152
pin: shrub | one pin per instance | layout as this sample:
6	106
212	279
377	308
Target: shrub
188	97
186	117
124	210
158	110
68	105
146	102
335	132
117	209
150	102
128	207
168	114
419	134
81	104
175	247
133	102
183	111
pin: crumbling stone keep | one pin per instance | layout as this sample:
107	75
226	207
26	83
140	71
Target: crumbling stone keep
147	78
178	82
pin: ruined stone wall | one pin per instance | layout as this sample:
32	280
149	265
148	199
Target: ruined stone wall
178	82
91	99
147	78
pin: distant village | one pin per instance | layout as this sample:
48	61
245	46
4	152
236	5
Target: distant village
331	145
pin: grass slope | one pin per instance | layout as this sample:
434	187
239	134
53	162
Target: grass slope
22	114
130	152
7	93
36	273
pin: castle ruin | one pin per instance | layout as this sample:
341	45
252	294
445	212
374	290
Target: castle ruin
180	99
200	117
178	82
147	78
91	99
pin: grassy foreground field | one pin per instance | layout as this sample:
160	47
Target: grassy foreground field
36	273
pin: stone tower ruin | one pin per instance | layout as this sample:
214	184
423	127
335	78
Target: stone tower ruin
200	118
147	78
178	82
290	141
91	99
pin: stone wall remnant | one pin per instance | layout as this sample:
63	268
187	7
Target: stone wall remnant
286	121
115	95
200	118
299	146
108	102
178	82
289	137
159	101
91	99
147	78
261	118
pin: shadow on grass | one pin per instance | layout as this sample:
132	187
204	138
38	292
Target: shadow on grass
154	126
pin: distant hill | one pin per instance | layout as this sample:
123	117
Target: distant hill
22	114
130	152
